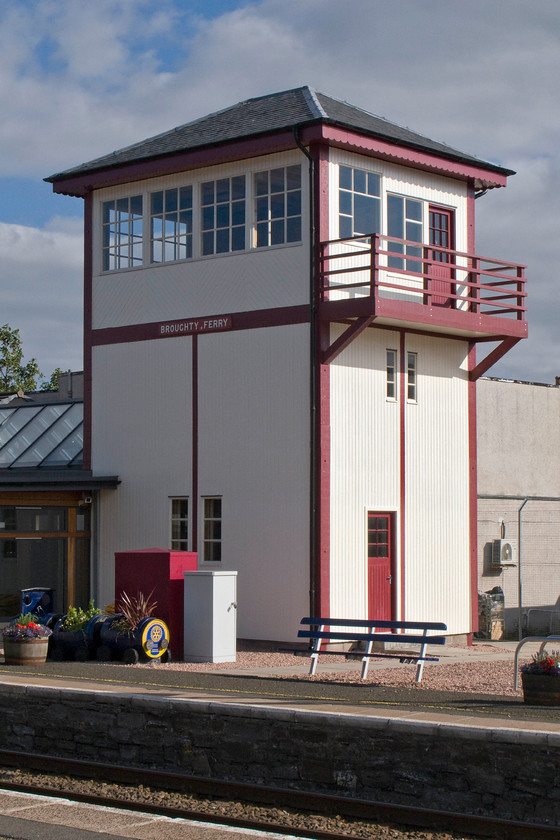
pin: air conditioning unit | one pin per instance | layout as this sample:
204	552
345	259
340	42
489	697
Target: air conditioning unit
504	553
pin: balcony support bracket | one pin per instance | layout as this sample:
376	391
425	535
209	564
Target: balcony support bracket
349	334
504	347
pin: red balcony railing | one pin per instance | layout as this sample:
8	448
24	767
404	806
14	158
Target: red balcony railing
385	275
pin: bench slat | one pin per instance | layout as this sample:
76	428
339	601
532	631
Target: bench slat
362	622
404	638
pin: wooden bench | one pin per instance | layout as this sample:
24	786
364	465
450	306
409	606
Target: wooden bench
317	632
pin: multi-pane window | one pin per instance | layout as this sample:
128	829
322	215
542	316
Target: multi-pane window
223	215
404	220
379	535
171	224
359	202
277	206
180	524
212	529
411	377
391	375
122	233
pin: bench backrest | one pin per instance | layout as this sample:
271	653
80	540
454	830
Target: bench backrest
382	624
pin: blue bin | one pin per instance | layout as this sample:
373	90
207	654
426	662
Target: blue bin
37	600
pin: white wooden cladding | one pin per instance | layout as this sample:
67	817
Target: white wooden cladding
253	433
365	475
234	282
402	180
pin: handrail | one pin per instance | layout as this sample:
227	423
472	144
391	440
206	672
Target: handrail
477	284
542	639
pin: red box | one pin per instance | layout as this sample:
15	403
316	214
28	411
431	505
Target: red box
160	570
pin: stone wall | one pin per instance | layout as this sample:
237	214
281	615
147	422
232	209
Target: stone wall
493	772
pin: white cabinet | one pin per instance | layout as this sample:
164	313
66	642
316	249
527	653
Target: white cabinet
210	628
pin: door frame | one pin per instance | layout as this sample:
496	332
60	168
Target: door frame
439	300
392	543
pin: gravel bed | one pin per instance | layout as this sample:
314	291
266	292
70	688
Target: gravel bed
477	677
220	808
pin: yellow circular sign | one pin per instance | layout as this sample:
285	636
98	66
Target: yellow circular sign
155	638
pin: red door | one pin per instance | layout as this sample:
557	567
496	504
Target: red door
442	225
380	565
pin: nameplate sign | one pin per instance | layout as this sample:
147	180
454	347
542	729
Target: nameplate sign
194	326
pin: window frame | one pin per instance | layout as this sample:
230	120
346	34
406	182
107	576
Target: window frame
179	519
408	224
347	200
391	375
122	244
209	543
411	376
267	221
178	239
217	205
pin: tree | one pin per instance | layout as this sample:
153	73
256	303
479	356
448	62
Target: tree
15	375
52	383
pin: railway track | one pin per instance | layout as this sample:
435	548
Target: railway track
247	806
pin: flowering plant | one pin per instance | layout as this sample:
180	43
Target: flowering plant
26	627
544	662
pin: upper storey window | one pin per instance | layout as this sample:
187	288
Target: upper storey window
404	220
122	233
223	215
277	195
171	224
359	202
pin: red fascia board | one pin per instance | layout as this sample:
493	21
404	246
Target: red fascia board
404	155
81	184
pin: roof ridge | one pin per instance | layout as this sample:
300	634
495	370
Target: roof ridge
310	96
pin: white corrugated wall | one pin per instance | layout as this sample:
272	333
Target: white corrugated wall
365	475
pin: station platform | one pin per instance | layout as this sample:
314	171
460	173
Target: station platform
282	687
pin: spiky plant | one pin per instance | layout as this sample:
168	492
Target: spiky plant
134	609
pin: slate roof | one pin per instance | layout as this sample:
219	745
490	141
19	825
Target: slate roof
266	115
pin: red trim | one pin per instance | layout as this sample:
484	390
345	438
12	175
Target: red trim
80	185
473	530
88	274
402	431
282	316
407	156
194	514
323	397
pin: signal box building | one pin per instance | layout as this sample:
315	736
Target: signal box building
283	303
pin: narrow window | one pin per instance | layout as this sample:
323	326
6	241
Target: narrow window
277	206
391	374
411	377
359	202
404	220
122	233
180	524
212	529
171	224
223	215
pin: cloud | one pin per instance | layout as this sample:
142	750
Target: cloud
78	80
41	283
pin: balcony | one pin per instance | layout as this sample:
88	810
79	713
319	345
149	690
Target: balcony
405	284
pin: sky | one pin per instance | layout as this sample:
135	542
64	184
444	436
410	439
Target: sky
79	79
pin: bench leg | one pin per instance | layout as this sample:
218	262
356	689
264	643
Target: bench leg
365	661
315	654
420	666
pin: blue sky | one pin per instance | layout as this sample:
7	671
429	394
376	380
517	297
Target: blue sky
80	79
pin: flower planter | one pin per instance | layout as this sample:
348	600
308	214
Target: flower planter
25	651
149	642
78	645
541	689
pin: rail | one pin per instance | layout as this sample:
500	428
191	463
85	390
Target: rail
542	639
142	785
379	266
